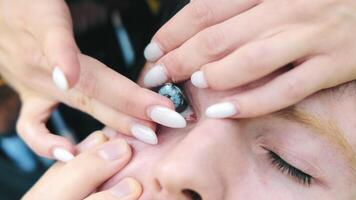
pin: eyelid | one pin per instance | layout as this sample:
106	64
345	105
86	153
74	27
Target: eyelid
192	101
293	159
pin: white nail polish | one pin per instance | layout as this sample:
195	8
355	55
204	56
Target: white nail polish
153	52
144	134
62	155
155	76
198	80
221	110
60	79
167	117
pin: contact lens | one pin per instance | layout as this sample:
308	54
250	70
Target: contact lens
175	94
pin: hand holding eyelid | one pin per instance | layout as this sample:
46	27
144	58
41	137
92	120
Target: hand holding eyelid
94	89
224	45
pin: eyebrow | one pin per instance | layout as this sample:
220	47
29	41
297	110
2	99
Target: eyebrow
325	128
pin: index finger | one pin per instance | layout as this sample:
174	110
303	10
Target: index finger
99	82
193	18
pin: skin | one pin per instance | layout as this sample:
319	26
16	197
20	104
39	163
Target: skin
31	46
227	159
234	43
62	180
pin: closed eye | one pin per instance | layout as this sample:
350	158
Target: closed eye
290	170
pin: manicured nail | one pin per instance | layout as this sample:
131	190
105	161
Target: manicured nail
114	150
153	52
127	188
198	80
221	110
167	117
155	76
144	134
60	79
62	155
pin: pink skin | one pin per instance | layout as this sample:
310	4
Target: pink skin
226	159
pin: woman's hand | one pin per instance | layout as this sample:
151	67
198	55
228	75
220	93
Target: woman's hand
49	24
224	44
34	37
80	178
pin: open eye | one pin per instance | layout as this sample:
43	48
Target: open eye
178	98
175	94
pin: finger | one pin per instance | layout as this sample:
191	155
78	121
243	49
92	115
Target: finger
127	189
53	29
93	140
144	70
211	45
125	96
140	129
256	60
71	181
31	126
283	91
193	18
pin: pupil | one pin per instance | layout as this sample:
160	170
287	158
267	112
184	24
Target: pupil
175	94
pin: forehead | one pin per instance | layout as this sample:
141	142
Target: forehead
327	105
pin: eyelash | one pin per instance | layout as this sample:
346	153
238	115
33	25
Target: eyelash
288	169
189	112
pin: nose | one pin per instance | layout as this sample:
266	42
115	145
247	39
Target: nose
191	171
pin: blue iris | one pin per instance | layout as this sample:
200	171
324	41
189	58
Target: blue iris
175	94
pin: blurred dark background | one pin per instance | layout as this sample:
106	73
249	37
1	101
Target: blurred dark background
112	31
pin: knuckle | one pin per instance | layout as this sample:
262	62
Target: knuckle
255	59
129	105
84	103
213	43
202	13
174	66
30	52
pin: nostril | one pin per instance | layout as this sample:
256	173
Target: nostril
191	195
157	185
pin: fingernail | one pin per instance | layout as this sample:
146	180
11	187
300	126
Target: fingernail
198	80
60	79
126	188
62	155
92	140
155	76
153	52
144	134
221	110
167	117
114	150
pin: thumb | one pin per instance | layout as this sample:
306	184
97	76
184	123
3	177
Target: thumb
62	54
51	25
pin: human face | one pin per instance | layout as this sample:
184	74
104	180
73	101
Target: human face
304	152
